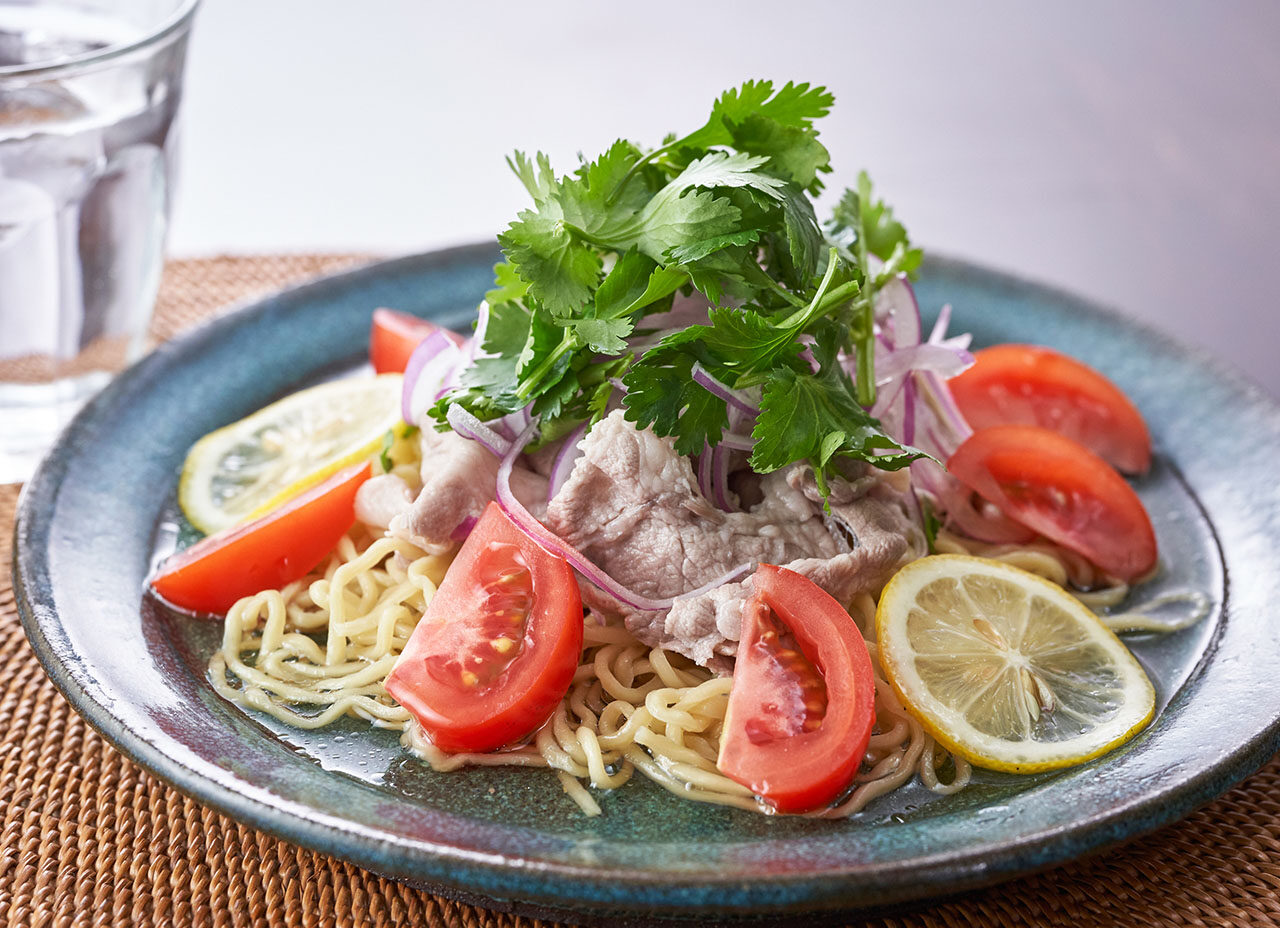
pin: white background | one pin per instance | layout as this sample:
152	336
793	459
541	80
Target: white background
1129	153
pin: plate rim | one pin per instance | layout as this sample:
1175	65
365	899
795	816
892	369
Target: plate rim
943	873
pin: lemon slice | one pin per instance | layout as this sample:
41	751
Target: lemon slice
252	466
1006	669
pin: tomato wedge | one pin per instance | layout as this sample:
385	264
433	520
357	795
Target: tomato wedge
499	644
803	698
266	553
394	335
1032	385
1061	489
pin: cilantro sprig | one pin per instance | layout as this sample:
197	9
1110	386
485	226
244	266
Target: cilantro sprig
725	210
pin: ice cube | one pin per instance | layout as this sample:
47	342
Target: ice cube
122	229
29	298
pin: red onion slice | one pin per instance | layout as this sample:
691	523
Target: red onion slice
940	325
464	528
731	396
898	312
566	458
957	508
724	497
909	412
938	399
430	365
556	545
945	362
982	521
468	426
736	442
704	473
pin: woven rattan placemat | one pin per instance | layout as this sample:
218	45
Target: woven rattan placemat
88	838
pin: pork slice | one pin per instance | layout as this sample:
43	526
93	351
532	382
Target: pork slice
380	499
632	506
459	479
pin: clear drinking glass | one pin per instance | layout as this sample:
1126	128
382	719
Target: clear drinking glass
89	95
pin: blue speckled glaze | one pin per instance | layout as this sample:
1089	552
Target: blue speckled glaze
86	534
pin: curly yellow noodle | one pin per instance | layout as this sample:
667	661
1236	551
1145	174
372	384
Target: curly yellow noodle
1083	581
365	600
321	648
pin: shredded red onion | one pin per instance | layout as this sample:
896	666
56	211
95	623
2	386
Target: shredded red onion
464	528
940	325
720	478
430	366
898	312
909	413
936	394
704	473
736	442
476	348
552	543
731	396
983	521
945	362
468	426
566	457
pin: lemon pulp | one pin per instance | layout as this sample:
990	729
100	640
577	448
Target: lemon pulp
1006	669
252	466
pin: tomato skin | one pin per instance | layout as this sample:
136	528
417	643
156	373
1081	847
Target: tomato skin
1033	385
267	553
1062	490
393	335
809	768
457	630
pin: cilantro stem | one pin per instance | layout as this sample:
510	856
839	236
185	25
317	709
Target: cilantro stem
865	386
780	290
846	291
531	383
801	318
644	159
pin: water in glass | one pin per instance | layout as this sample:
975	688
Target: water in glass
87	155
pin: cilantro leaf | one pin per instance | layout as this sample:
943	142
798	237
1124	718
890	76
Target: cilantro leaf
725	210
508	286
690	220
793	105
884	233
721	169
794	153
635	283
815	417
667	398
602	335
803	236
560	271
495	368
537	178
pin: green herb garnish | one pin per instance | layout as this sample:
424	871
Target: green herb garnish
726	211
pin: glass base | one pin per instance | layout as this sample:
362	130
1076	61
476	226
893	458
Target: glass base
32	415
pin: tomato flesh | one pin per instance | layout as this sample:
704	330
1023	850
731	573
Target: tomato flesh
393	336
499	644
1033	385
803	699
1061	489
267	553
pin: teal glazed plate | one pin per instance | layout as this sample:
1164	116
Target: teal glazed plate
102	509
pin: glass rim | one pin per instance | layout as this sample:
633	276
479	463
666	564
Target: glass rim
176	21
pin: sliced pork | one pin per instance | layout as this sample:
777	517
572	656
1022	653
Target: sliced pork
632	506
459	479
